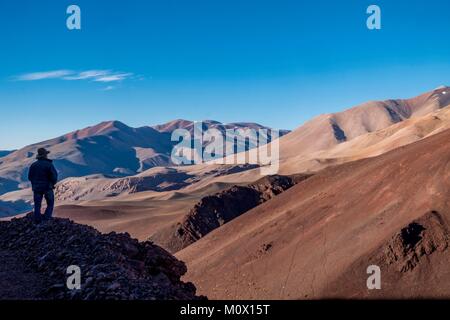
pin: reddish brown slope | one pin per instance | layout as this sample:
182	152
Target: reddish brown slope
215	210
317	239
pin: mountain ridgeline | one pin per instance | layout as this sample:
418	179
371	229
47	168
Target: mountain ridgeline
109	148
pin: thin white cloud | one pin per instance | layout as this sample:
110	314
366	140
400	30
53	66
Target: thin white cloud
56	74
108	88
113	77
104	76
87	75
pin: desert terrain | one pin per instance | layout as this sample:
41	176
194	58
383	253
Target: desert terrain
366	186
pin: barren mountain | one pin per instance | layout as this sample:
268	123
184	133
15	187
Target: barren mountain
317	239
143	213
379	195
328	130
328	139
109	148
369	130
171	126
213	211
371	144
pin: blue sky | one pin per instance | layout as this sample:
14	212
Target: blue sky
278	63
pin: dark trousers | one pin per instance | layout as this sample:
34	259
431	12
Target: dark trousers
49	199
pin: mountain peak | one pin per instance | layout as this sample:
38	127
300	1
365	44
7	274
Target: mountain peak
98	129
172	125
112	124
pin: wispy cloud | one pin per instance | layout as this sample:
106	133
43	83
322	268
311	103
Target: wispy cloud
113	77
105	76
108	88
86	75
57	74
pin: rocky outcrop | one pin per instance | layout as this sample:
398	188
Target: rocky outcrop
413	264
414	242
213	211
113	266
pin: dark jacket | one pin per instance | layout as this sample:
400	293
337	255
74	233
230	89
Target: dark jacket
43	175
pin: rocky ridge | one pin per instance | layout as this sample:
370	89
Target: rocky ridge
113	266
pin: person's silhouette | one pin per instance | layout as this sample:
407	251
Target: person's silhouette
43	178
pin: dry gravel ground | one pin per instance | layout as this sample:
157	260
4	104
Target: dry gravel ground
18	282
34	260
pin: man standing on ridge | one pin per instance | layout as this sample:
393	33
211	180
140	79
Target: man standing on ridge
43	177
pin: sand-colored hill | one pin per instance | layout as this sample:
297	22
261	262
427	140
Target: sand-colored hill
317	239
365	130
370	144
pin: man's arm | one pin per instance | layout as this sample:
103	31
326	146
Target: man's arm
53	175
30	173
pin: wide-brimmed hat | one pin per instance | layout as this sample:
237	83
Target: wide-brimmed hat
42	152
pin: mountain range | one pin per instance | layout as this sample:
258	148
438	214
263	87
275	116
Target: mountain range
110	148
366	186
